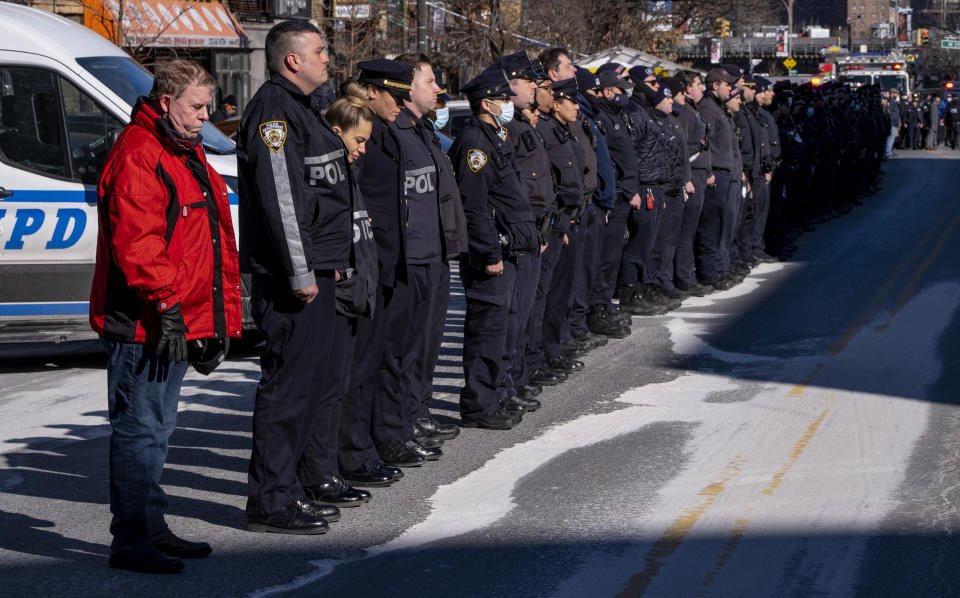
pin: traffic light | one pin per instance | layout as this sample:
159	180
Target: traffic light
923	38
721	27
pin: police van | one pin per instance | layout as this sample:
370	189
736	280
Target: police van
65	95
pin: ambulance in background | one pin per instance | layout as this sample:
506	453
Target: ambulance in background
65	95
886	69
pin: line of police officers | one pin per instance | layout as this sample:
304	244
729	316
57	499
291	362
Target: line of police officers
570	201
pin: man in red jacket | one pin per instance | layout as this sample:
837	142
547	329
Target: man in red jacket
167	274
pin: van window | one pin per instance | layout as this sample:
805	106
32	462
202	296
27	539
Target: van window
31	125
129	80
91	131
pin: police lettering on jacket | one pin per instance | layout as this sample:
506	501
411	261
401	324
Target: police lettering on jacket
294	196
420	198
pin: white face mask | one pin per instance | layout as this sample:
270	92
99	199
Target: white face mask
506	114
443	115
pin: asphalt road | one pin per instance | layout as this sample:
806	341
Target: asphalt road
797	435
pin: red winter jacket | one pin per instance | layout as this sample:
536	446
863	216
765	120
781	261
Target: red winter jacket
158	242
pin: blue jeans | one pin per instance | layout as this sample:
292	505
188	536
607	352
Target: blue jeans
143	391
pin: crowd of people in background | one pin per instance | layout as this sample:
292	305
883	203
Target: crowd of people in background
570	202
923	123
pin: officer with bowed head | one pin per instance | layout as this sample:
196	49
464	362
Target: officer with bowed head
296	233
376	431
500	226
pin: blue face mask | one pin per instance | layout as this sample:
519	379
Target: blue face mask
810	111
443	115
621	100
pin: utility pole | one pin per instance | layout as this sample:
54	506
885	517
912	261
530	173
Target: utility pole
422	26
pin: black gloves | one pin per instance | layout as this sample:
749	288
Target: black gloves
173	334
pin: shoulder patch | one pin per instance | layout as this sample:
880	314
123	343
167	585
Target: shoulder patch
476	159
274	134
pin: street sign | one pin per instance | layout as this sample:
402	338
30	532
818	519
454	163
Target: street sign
792	72
789	62
951	43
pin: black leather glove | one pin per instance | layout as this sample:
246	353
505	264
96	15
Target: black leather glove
173	334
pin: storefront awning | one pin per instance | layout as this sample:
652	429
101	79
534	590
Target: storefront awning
165	23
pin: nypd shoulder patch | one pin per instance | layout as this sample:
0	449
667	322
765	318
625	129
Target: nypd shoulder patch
274	134
476	159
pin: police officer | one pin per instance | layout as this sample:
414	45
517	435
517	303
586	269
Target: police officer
425	88
764	97
500	225
606	103
698	157
653	172
295	258
568	166
710	266
737	194
678	186
599	203
533	165
379	429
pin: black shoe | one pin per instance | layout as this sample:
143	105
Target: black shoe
619	315
565	365
297	518
397	454
336	491
527	405
427	441
369	476
671	293
723	283
543	377
561	375
660	296
498	420
575	349
431	427
529	391
594	340
145	560
171	545
430	454
395	472
640	304
694	289
602	323
328	512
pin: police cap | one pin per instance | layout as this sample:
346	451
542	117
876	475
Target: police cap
565	88
748	80
762	84
517	66
612	74
539	73
639	73
733	69
674	84
491	83
720	74
395	77
662	94
586	80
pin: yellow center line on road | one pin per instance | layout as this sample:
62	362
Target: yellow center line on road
674	535
671	538
884	291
